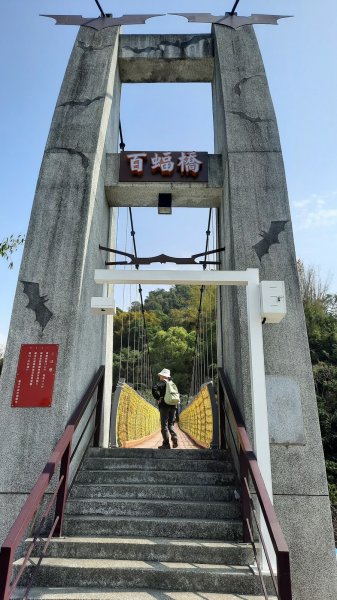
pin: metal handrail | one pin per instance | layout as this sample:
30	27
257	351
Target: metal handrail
61	457
249	467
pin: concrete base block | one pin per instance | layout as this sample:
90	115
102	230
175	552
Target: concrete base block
306	523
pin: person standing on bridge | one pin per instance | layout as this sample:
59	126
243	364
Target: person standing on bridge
167	396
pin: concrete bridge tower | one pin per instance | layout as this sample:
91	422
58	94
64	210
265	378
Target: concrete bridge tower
77	187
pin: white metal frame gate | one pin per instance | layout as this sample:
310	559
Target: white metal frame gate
250	280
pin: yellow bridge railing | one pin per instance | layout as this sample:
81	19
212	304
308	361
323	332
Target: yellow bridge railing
135	419
199	419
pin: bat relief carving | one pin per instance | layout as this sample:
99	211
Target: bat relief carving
269	238
37	303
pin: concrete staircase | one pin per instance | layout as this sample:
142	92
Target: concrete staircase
150	525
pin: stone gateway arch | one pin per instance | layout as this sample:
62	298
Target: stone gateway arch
77	190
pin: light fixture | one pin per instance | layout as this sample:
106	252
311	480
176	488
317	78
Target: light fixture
164	204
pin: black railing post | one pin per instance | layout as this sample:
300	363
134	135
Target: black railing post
98	419
222	418
283	576
245	502
62	493
6	561
215	414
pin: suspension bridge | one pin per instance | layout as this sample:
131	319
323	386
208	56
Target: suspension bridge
133	368
91	508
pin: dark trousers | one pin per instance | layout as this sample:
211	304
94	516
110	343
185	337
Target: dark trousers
167	415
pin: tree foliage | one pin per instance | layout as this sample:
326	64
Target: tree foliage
321	319
2	353
8	247
171	319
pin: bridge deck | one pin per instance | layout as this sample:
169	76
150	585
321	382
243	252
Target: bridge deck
184	442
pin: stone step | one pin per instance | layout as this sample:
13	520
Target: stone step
155	477
156	464
159	492
141	453
154	508
83	525
87	593
150	549
105	573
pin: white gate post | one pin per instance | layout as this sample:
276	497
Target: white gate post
259	400
108	350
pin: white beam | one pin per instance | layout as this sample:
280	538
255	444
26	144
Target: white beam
170	277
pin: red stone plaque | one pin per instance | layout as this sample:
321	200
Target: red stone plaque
35	376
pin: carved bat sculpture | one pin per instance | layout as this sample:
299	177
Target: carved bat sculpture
37	303
269	238
100	22
232	21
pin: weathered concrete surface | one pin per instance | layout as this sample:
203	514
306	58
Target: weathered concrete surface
103	573
184	193
166	58
120	594
315	537
199	551
284	399
70	217
254	195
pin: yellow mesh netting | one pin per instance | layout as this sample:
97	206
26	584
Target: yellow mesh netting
197	419
136	418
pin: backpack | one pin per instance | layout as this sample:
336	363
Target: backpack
171	397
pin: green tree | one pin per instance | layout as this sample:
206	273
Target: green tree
165	311
174	349
321	319
2	352
162	301
8	247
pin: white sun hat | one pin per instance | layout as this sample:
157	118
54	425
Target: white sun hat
165	373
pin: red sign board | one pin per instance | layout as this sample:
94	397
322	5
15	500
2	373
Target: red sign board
35	376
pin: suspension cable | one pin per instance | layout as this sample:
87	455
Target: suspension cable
134	350
214	297
133	234
202	288
206	330
121	143
204	341
140	290
129	328
232	12
100	8
122	323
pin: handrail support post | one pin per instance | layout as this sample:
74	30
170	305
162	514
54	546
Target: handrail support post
98	418
245	502
221	419
283	576
6	568
62	493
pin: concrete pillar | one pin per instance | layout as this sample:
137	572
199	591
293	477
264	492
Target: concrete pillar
70	217
255	195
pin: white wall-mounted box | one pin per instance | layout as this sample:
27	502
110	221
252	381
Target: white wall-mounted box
273	301
104	305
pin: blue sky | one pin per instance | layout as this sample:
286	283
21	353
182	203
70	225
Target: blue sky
299	56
